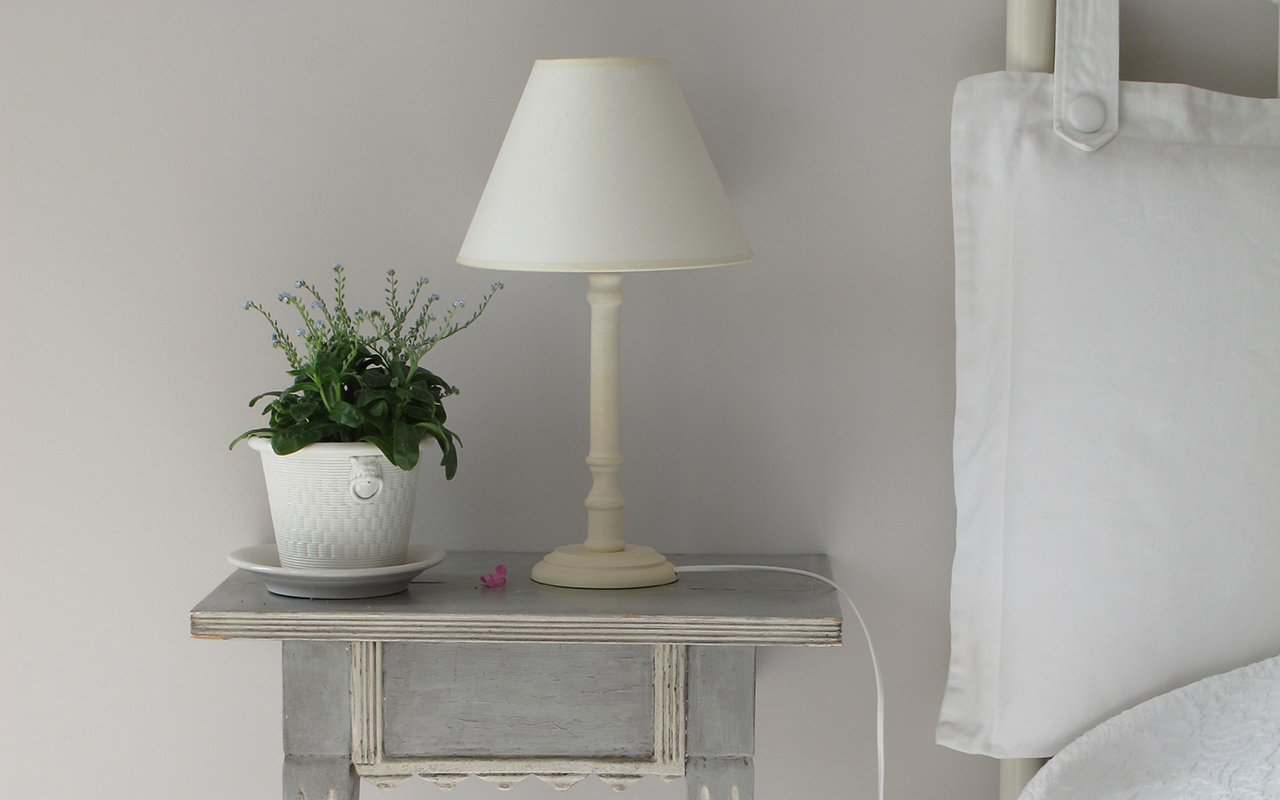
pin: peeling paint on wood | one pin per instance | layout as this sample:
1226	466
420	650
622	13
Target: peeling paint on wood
625	695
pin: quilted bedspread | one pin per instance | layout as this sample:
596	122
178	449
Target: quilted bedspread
1215	738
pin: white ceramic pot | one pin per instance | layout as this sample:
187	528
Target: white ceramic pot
339	505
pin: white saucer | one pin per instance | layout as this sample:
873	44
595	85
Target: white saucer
334	584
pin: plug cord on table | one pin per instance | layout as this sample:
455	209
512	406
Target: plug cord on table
875	665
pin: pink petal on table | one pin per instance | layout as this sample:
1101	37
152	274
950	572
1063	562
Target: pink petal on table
497	579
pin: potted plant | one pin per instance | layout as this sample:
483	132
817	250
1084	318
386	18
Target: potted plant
343	442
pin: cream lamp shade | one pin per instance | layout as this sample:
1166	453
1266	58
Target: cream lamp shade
603	171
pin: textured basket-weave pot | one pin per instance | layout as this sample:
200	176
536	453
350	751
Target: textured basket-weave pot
338	505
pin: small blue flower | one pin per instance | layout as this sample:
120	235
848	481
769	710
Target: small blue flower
496	286
248	304
391	272
316	304
337	268
275	339
422	280
298	332
285	296
298	283
458	304
433	298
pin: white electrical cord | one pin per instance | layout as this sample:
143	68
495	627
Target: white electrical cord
875	665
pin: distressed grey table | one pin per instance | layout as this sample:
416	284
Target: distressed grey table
451	679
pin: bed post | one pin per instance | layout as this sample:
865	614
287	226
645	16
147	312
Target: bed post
1029	35
1015	773
1278	65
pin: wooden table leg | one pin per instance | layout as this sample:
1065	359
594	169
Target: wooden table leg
317	722
721	732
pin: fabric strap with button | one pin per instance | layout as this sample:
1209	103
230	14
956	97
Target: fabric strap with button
1086	72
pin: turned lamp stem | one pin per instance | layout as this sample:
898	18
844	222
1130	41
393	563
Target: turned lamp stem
604	501
604	560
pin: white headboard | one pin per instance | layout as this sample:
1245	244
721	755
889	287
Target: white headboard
1029	43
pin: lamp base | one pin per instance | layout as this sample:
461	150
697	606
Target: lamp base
575	566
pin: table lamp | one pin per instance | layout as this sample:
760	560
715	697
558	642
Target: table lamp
603	171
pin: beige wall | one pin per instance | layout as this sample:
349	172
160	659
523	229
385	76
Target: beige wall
161	163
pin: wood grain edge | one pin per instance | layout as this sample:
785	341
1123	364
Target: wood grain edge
416	628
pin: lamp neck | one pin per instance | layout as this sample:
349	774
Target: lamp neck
604	502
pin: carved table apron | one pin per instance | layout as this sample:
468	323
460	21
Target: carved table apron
451	679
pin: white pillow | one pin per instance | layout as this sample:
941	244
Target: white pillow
1117	437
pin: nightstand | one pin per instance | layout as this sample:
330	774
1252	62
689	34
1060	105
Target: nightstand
450	679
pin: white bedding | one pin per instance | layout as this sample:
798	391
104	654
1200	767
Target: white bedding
1216	738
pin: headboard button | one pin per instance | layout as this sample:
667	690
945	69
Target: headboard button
1087	114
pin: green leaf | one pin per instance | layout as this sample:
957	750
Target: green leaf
404	445
247	434
376	378
292	439
264	394
450	463
346	414
422	391
366	396
416	414
303	385
383	426
445	438
383	444
327	376
399	371
301	411
433	379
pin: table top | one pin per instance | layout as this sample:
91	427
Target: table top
448	603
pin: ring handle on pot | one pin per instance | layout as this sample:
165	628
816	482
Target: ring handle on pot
366	478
